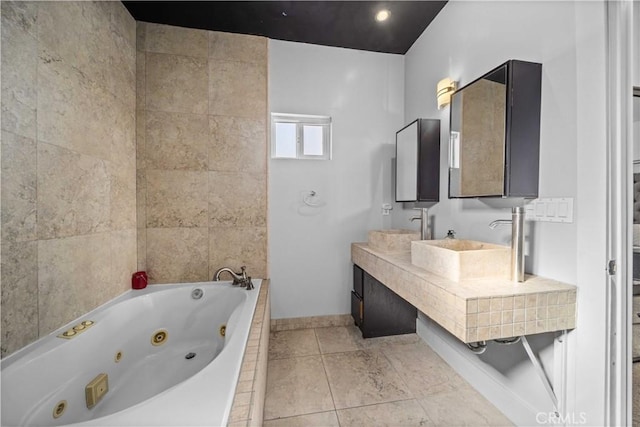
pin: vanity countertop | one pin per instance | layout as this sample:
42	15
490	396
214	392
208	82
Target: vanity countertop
474	310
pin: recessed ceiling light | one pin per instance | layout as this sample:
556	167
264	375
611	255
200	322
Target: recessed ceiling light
383	15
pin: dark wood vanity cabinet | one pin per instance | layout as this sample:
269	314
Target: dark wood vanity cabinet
377	310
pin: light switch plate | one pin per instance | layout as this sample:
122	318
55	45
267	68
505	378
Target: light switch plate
550	210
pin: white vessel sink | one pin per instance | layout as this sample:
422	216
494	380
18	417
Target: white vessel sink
462	259
392	240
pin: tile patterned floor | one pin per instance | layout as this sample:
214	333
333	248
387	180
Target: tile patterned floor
333	377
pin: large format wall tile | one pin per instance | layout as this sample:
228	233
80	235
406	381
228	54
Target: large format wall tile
68	77
176	40
177	255
237	246
74	276
123	259
237	142
79	114
18	68
18	188
202	160
237	47
237	89
246	205
19	295
73	193
176	141
122	196
63	36
177	199
176	83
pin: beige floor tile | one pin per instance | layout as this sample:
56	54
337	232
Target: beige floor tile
339	339
401	413
296	386
424	372
299	342
363	378
462	407
321	419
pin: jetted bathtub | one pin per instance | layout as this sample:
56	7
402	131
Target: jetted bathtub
171	354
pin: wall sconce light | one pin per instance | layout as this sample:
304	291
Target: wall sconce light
444	90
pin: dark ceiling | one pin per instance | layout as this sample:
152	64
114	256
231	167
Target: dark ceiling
349	24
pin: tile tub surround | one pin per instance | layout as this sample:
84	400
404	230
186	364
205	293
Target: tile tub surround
201	152
68	75
248	403
474	310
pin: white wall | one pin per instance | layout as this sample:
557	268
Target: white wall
636	43
466	40
309	248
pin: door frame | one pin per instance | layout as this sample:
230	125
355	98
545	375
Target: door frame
619	210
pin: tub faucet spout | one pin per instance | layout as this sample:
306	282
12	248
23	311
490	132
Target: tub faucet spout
239	279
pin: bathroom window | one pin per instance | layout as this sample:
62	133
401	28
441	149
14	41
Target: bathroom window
297	136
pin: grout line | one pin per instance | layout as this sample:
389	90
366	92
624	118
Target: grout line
326	375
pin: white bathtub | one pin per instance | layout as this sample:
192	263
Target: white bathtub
149	385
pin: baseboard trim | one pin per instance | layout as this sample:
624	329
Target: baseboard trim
310	322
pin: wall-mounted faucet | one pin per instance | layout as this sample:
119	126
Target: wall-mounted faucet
517	241
425	229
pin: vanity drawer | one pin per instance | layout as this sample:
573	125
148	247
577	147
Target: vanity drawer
636	309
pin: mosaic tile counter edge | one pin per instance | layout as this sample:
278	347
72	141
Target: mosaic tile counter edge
474	310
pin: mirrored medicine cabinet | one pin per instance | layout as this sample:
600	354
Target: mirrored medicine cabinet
418	161
495	133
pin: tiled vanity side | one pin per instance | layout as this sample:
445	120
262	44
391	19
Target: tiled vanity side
248	402
474	311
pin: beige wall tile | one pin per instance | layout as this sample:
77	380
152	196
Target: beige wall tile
176	83
73	193
177	199
237	89
176	40
74	112
74	276
237	139
122	201
177	255
22	14
141	199
18	188
141	62
246	205
18	295
124	250
238	47
71	32
238	246
141	36
73	63
142	249
176	141
19	68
